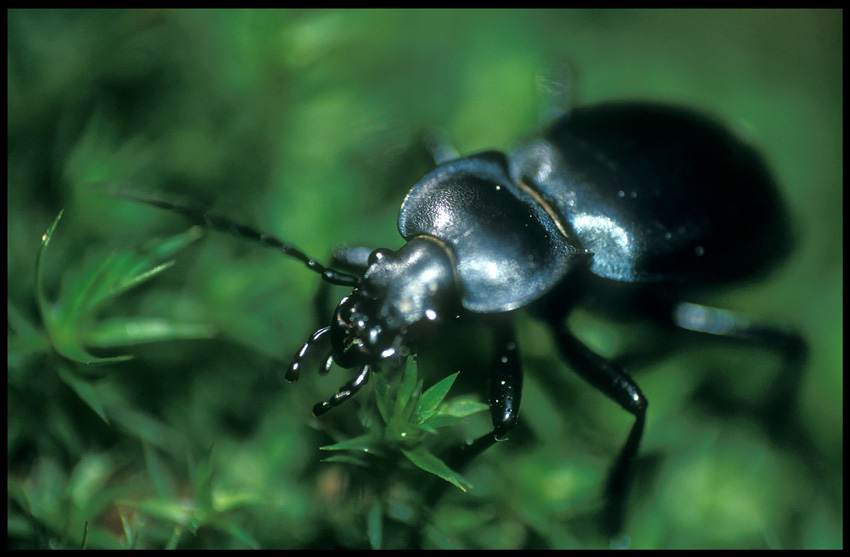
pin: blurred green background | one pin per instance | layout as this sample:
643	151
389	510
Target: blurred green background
308	124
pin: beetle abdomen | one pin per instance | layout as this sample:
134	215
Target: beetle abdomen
658	193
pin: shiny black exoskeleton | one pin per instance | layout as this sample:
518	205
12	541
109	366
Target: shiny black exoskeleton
626	197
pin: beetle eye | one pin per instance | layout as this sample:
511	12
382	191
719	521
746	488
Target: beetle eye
377	255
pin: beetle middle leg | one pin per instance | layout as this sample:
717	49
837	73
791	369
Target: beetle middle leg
614	383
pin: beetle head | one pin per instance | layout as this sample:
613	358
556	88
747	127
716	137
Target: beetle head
403	298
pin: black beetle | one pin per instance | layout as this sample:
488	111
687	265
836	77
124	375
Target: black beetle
637	200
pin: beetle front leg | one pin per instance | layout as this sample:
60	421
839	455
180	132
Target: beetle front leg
505	394
614	383
505	383
345	392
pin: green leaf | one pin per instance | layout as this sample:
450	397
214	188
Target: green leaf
202	483
85	535
45	241
455	411
158	472
83	389
169	510
242	535
27	333
140	330
70	321
25	339
365	443
462	406
129	533
382	396
175	538
375	524
406	388
348	459
421	457
427	428
431	399
146	427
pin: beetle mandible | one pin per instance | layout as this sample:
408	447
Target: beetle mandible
637	199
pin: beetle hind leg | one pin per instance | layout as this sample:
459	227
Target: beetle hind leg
778	404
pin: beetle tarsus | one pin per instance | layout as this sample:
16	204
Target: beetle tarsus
347	391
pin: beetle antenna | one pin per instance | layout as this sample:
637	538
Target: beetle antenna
223	224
